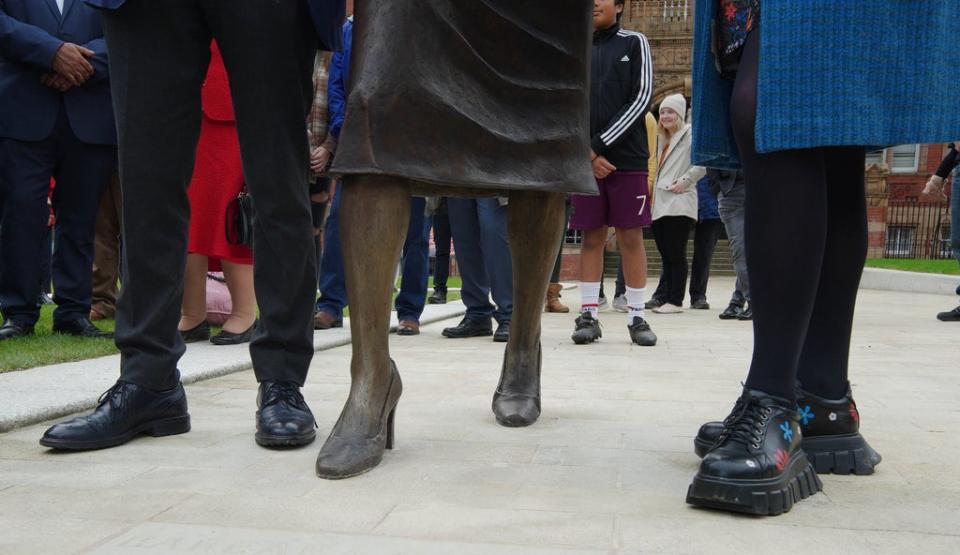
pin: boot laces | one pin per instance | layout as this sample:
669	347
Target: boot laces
746	422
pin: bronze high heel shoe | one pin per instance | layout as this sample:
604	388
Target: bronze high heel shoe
344	455
518	408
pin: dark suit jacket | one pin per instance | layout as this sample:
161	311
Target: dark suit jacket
328	16
31	32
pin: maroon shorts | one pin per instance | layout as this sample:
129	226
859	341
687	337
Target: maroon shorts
624	202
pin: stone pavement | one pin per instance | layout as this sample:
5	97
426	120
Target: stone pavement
604	471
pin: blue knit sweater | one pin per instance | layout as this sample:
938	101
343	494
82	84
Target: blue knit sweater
835	72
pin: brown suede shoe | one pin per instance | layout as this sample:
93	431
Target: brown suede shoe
325	320
408	327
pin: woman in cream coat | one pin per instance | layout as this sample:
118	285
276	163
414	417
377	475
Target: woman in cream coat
675	203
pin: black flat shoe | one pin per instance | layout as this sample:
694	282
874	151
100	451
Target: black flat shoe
700	304
228	338
81	327
12	329
469	328
199	333
757	466
950	316
502	335
348	453
439	297
125	411
516	402
283	418
732	312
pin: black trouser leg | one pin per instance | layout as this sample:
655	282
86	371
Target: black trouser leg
442	240
705	239
785	241
272	88
826	351
673	233
557	266
659	237
159	53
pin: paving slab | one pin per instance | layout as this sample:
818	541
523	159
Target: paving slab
605	470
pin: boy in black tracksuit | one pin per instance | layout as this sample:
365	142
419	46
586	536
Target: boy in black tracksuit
621	90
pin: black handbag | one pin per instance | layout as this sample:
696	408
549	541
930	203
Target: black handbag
239	220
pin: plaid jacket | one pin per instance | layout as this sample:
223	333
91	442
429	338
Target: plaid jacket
317	121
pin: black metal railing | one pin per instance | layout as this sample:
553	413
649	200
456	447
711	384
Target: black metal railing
918	230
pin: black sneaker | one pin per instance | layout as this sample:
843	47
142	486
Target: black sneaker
757	465
746	314
732	312
831	435
587	329
640	332
951	316
654	303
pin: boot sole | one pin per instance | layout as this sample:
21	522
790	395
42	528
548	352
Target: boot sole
845	454
157	428
770	497
265	440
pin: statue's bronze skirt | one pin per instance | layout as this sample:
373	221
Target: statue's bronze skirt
460	95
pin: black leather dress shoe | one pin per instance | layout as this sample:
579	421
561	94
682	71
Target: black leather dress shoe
757	466
229	338
81	327
502	335
439	297
284	419
11	329
200	332
732	312
125	411
469	328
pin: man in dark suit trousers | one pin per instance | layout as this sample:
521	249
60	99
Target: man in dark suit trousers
159	53
56	121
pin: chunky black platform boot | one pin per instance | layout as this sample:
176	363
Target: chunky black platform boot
831	435
757	465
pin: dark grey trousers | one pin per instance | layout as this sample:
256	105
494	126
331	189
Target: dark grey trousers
159	54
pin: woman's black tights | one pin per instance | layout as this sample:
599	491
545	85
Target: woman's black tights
806	242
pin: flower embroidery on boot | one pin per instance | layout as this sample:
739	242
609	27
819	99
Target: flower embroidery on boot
806	415
787	432
854	414
781	458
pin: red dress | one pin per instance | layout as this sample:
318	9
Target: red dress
218	174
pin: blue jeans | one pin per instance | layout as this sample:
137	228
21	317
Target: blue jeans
415	264
415	261
331	281
479	229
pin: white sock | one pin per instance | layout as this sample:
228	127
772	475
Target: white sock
590	297
635	301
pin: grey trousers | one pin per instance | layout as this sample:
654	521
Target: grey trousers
159	54
731	205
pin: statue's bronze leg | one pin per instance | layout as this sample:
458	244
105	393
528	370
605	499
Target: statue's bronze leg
374	214
535	222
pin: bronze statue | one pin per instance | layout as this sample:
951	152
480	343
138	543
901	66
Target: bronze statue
455	98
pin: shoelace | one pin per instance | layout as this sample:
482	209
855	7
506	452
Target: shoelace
745	424
287	392
114	396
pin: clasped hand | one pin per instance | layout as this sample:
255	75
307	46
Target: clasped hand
70	68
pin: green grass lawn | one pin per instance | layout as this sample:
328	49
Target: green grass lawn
47	348
910	265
